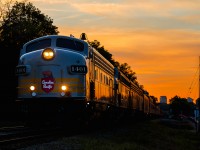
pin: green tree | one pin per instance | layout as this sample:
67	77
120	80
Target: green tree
125	68
96	44
180	105
20	22
5	7
155	99
24	22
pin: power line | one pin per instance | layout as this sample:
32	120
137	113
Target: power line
194	82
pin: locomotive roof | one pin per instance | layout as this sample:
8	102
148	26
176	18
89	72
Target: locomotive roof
51	41
54	37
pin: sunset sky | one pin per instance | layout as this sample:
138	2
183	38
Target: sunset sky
159	39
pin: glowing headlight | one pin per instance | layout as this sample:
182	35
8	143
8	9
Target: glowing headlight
64	87
48	54
32	88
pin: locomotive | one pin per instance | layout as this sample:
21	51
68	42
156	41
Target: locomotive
65	75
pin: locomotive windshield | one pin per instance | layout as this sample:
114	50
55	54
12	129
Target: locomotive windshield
40	44
70	44
60	42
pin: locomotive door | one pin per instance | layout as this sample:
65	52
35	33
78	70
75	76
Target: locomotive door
91	74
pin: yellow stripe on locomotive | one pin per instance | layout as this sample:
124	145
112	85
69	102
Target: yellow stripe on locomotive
68	87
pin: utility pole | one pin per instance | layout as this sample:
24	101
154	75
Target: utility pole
198	119
199	77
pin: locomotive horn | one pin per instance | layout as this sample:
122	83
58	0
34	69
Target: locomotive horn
83	36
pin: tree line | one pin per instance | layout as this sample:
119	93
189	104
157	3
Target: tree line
19	23
181	106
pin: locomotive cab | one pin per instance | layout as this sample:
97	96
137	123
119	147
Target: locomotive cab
49	68
52	73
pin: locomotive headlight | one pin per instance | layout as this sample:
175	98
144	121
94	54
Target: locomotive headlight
48	54
64	87
64	90
32	88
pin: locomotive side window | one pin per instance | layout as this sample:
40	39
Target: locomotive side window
101	77
70	44
96	74
107	80
38	45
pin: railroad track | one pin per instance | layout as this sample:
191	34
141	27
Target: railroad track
13	137
21	136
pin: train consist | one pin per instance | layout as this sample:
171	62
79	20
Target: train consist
65	75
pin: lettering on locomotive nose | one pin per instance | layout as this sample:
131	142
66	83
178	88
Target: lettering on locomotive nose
21	70
47	82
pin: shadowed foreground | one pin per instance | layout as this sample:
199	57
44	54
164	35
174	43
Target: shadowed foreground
145	135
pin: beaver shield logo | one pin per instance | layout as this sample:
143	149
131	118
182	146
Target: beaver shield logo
47	82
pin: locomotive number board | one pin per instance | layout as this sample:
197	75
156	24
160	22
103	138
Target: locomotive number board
20	70
78	69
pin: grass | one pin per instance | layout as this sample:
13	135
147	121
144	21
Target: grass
148	135
143	135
